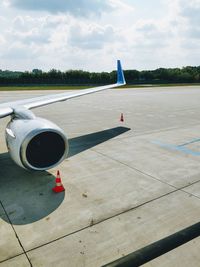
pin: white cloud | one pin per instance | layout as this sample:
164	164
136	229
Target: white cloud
5	3
61	40
90	36
2	40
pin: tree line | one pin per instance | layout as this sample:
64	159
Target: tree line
79	77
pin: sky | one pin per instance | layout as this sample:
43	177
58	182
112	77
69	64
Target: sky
92	34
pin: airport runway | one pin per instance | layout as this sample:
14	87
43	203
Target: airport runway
128	184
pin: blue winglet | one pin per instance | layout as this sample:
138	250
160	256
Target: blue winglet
120	73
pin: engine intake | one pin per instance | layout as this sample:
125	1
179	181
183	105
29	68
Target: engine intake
45	149
36	144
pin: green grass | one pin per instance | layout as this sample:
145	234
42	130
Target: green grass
25	88
66	87
161	85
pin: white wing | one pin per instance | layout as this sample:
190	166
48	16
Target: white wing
8	108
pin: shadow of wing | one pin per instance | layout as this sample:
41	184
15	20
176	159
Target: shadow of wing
82	143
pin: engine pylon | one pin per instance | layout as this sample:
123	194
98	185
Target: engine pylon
59	186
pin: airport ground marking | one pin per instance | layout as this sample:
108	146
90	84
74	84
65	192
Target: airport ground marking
180	148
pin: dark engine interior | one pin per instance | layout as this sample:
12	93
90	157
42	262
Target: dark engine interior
45	149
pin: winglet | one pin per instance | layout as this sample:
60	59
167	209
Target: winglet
120	73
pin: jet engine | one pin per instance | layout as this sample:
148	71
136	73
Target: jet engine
35	143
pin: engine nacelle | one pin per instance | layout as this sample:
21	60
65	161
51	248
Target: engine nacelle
36	144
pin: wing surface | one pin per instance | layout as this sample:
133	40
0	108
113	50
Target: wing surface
8	108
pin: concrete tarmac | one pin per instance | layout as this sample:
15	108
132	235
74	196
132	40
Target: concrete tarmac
128	184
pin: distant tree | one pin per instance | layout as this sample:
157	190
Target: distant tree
77	77
36	71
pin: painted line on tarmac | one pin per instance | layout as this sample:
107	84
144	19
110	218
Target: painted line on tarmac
180	148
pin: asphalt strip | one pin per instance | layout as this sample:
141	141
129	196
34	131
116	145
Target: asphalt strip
158	248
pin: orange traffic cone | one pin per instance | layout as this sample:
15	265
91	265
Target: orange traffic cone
59	187
122	117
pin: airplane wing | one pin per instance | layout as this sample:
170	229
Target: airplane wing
8	108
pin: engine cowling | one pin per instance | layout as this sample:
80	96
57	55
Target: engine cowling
36	144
